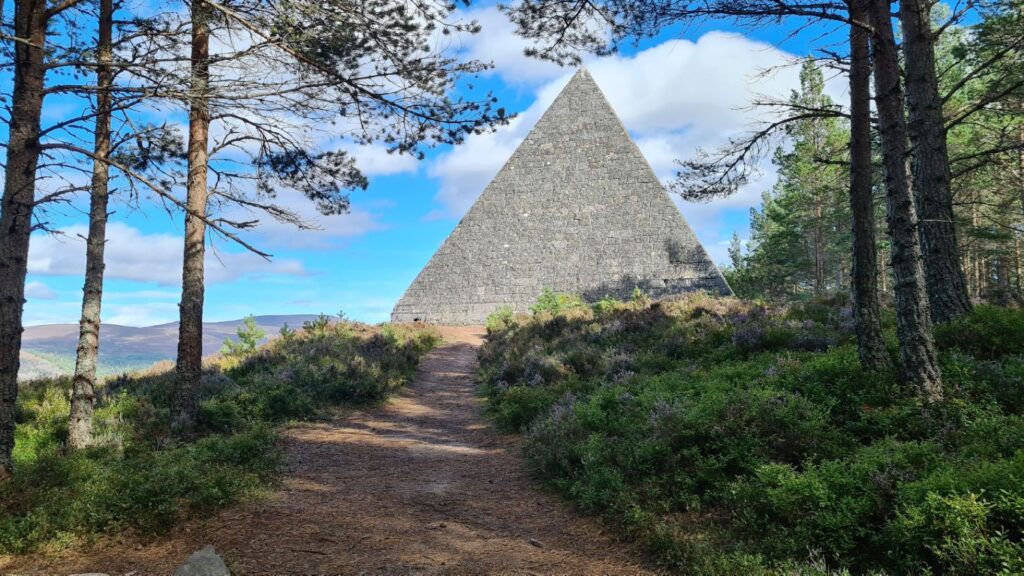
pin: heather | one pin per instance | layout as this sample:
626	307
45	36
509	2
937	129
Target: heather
727	436
142	476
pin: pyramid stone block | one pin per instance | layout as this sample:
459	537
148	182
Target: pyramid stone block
576	209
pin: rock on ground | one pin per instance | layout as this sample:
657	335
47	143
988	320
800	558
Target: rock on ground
203	563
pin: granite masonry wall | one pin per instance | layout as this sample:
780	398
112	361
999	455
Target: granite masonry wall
575	209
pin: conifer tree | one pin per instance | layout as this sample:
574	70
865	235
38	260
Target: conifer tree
29	36
249	337
944	276
864	262
983	97
563	29
83	393
918	359
797	241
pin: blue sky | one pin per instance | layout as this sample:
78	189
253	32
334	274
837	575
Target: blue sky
686	89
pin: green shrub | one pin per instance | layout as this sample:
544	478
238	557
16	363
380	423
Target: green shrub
965	533
837	505
606	305
1000	381
731	438
522	405
553	303
987	333
58	496
501	319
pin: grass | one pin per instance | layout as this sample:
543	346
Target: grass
140	478
729	437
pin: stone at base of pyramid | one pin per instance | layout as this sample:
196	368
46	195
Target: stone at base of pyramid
576	209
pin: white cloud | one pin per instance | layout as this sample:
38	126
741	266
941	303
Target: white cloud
141	314
134	255
51	312
109	295
498	43
326	232
375	160
36	290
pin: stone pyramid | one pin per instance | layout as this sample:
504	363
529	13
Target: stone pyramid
576	209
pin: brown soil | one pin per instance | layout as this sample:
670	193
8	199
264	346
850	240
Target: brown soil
421	485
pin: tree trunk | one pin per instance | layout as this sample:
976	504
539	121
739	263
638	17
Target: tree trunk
30	20
944	277
883	271
819	249
1020	190
190	330
83	394
866	308
918	360
1017	263
1004	283
975	252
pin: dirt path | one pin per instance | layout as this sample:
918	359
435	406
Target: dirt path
421	485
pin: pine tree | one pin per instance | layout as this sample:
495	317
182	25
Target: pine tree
983	86
864	262
918	359
800	240
83	394
31	34
249	337
933	197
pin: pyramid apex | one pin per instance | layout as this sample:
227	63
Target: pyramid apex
581	73
583	81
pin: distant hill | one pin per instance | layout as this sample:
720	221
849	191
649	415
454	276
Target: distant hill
49	349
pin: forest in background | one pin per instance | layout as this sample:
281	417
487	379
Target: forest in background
800	243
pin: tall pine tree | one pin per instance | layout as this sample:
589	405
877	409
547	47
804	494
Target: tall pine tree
800	237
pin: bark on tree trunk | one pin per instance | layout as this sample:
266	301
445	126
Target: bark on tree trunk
866	307
1017	263
975	253
30	20
944	277
83	394
190	330
1020	190
819	250
883	271
918	360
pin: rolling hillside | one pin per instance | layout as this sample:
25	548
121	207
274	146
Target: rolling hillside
49	349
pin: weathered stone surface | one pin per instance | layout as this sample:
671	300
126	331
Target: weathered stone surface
205	562
577	209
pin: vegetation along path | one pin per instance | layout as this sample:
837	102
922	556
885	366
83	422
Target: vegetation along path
421	485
